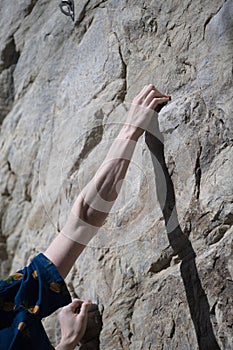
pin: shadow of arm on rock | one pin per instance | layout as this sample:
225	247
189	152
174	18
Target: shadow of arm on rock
196	297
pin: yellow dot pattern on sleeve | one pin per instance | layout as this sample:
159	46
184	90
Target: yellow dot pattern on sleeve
34	309
55	287
17	276
35	274
21	326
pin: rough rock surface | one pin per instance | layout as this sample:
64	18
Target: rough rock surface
64	89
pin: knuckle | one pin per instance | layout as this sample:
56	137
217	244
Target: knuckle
153	93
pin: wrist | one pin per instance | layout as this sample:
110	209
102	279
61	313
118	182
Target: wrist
130	132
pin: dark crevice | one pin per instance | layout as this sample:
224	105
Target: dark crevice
6	193
163	265
9	165
9	59
99	4
216	234
10	55
3	248
121	342
85	10
197	172
123	76
27	195
91	338
213	309
82	14
206	23
30	7
83	23
3	251
130	336
209	19
173	329
163	262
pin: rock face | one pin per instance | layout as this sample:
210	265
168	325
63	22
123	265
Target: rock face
64	90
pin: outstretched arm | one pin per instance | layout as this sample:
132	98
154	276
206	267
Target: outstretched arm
97	198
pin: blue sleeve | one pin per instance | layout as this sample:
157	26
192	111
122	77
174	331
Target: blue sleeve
42	290
25	298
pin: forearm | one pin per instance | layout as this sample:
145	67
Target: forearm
97	198
94	203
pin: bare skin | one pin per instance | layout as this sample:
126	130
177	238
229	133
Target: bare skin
73	325
96	200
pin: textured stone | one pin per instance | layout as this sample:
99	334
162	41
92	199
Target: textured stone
64	91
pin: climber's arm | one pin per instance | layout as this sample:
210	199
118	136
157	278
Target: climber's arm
97	198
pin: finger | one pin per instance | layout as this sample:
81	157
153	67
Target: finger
76	303
157	101
161	105
150	97
152	89
147	90
85	307
140	96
